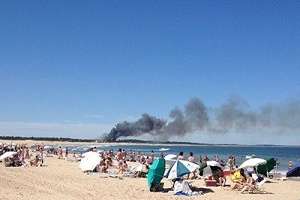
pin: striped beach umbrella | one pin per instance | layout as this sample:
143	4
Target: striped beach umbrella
181	168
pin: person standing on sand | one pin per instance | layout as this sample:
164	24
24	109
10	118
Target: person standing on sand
27	156
60	153
191	158
41	156
67	152
230	163
205	159
180	156
119	155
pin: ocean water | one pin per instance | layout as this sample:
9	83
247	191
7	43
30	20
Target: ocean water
283	154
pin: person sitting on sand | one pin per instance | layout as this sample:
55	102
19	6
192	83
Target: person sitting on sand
103	166
35	161
239	179
142	160
249	185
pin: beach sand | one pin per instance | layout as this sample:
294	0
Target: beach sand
61	179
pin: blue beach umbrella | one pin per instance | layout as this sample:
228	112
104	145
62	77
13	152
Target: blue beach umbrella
181	168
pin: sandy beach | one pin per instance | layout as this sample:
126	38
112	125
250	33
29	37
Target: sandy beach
60	179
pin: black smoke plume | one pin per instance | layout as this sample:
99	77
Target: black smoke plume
146	124
234	115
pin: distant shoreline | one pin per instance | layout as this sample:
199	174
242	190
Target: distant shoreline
126	142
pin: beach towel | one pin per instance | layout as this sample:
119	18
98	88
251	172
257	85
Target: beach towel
182	188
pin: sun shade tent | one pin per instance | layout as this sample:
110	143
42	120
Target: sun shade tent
156	172
89	161
295	172
264	169
181	168
8	154
253	162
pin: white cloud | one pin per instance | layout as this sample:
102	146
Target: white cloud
41	129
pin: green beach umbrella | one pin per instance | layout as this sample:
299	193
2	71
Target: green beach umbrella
156	172
265	168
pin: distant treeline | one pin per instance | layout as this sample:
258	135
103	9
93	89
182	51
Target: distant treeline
157	142
60	139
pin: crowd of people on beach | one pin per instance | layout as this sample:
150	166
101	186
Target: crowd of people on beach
122	162
23	155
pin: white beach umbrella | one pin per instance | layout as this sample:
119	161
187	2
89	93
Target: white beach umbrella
137	167
181	168
8	154
253	162
170	157
213	163
90	161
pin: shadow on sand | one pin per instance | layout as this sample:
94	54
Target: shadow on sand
194	189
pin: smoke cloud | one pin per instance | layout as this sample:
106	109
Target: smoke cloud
234	115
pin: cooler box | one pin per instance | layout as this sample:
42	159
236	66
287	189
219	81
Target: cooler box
210	183
226	172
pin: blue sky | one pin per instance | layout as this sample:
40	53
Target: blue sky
90	63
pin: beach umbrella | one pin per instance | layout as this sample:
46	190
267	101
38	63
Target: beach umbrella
181	168
170	157
8	155
156	172
253	162
264	169
210	167
137	167
213	163
89	161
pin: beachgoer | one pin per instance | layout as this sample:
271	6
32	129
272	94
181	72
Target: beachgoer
180	156
60	153
67	152
249	185
119	155
238	178
191	158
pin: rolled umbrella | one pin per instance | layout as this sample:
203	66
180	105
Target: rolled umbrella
181	168
253	162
